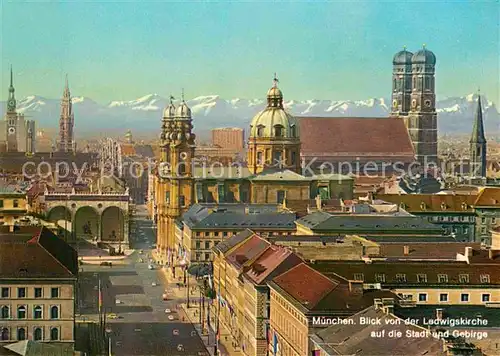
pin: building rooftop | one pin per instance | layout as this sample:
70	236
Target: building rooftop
226	245
253	247
357	338
415	203
43	256
426	250
321	221
489	196
355	137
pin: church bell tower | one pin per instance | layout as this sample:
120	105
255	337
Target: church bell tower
478	144
11	118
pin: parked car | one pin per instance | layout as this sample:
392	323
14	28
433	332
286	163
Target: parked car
106	264
151	267
165	296
167	311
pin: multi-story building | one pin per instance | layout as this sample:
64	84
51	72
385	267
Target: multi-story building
38	275
454	213
231	138
242	266
13	204
487	207
373	225
204	226
473	278
302	300
273	169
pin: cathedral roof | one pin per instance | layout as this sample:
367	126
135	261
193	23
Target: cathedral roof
183	111
355	137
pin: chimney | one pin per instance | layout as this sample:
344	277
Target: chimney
356	287
406	250
468	251
11	228
439	314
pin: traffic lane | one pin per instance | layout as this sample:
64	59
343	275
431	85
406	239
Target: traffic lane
155	339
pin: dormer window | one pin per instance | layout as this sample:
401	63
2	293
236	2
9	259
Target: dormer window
402	206
443	206
293	130
423	206
463	278
260	130
464	206
278	131
421	278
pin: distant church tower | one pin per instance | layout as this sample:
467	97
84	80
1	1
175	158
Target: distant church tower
11	118
414	100
274	140
401	83
422	118
66	122
175	180
478	144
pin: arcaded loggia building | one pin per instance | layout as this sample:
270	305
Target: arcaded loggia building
273	172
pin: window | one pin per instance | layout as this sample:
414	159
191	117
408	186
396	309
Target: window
54	334
207	233
1	203
359	277
483	230
198	245
38	292
21	334
207	257
293	132
54	292
21	312
21	292
380	278
485	297
54	312
37	334
198	257
259	158
464	297
16	203
483	220
5	292
421	278
182	200
199	192
422	297
221	192
493	220
198	234
278	131
443	297
5	312
5	334
37	312
207	245
224	233
442	278
400	277
167	197
463	278
260	130
485	278
280	196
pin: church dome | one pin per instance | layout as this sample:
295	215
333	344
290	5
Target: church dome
402	57
274	121
169	111
183	110
424	56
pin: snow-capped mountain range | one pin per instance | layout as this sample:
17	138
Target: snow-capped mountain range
144	114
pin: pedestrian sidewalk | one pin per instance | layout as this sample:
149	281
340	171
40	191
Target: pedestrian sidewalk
192	313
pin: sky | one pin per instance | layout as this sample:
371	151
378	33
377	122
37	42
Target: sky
338	50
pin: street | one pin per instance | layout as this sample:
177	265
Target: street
136	320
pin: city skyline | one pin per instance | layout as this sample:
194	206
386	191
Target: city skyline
344	54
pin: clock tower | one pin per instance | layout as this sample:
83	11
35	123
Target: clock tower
11	118
175	177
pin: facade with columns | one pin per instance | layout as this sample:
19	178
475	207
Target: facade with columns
273	172
414	100
100	217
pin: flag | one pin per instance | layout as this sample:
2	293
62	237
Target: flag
208	320
210	282
275	343
100	297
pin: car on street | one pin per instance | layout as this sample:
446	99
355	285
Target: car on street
171	317
154	284
118	301
141	252
165	296
151	267
175	332
112	316
167	311
107	263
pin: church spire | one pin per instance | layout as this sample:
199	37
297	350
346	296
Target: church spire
478	127
66	88
11	101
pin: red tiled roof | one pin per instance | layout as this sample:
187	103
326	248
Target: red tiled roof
266	263
127	149
249	250
429	250
355	136
305	285
431	202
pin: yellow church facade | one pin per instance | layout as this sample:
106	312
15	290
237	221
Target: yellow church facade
273	171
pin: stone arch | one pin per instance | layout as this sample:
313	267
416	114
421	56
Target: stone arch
86	223
58	213
113	224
